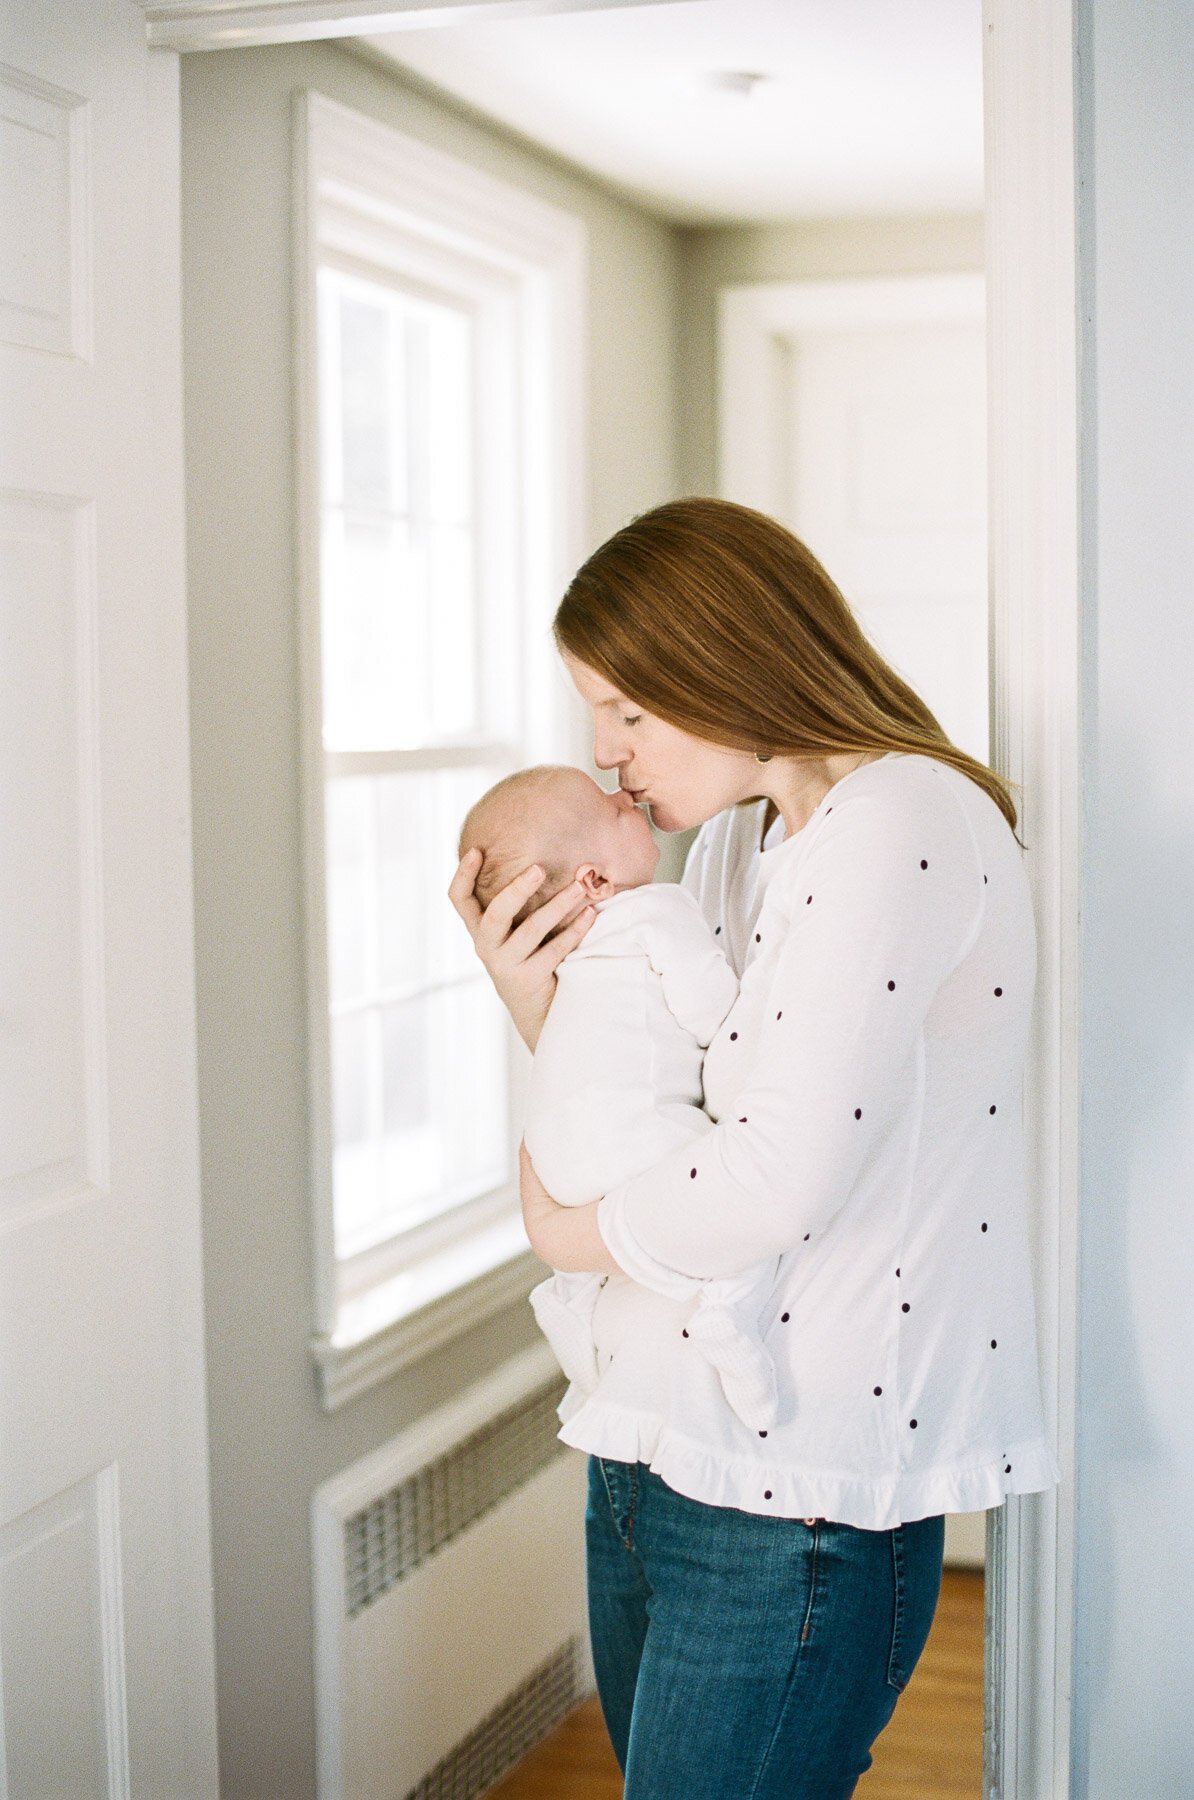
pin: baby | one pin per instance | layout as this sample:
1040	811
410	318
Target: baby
616	1079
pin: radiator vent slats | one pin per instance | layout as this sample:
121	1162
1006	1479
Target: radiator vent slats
401	1528
522	1720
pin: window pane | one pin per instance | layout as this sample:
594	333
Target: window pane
471	1037
446	342
453	646
421	939
374	632
362	382
406	878
441	1133
368	348
446	1134
347	828
354	1157
391	851
398	589
419	1037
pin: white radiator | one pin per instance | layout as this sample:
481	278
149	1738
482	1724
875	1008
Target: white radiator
449	1595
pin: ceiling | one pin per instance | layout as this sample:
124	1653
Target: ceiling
865	106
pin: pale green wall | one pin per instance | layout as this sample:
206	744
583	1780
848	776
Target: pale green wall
271	1444
729	256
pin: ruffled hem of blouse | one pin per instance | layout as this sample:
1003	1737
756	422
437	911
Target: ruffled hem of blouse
592	1424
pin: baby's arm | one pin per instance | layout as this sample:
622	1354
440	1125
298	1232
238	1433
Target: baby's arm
699	985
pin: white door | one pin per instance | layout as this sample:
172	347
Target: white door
886	483
106	1667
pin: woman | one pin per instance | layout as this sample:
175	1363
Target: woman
759	1600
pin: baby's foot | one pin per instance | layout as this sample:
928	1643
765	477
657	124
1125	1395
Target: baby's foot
734	1348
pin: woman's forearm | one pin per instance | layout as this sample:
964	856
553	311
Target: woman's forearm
566	1237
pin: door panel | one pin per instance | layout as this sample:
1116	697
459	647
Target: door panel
886	483
106	1679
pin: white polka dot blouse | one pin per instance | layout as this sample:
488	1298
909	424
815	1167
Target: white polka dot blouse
866	1093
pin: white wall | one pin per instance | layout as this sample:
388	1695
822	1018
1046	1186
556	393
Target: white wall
271	1445
1134	1669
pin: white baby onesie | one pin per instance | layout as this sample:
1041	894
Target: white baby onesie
616	1085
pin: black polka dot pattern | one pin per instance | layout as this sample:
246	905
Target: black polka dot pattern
717	931
684	1331
892	985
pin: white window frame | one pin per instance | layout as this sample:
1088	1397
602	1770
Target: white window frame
369	197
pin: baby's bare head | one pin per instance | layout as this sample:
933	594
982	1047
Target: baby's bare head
546	815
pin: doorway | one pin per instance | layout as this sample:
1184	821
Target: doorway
1009	747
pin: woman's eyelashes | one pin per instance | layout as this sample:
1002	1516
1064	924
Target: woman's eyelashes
633	721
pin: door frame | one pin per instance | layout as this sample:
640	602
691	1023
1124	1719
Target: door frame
1036	657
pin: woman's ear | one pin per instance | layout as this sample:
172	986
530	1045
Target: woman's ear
595	884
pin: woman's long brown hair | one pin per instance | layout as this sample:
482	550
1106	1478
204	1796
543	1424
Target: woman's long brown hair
720	621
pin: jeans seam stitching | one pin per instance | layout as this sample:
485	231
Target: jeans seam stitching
609	1495
894	1665
803	1639
812	1586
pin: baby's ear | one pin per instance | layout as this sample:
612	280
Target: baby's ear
595	884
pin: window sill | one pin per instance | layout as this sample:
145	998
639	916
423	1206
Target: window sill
423	1308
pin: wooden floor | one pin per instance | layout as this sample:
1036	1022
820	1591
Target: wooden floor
932	1750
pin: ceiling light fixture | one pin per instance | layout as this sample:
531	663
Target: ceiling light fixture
741	82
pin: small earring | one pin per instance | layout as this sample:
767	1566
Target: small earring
762	759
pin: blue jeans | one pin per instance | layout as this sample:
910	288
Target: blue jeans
748	1658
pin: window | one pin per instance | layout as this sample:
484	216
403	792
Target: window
438	426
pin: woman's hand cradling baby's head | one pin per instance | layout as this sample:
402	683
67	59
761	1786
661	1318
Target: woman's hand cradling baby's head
520	964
